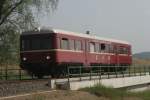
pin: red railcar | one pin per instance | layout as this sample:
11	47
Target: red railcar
50	51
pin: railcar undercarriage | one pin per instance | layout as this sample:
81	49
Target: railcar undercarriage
63	70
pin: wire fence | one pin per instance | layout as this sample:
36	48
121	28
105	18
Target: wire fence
15	74
101	72
106	72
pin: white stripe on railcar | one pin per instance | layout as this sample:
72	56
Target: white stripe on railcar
88	36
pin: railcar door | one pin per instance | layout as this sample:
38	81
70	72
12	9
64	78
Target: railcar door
86	53
116	54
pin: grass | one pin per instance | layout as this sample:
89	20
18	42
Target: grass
108	92
145	95
14	74
117	94
39	97
34	97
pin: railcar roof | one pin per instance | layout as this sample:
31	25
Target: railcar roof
91	36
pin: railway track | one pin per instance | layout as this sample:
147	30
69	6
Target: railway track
15	87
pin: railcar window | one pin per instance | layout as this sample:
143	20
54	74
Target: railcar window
92	47
97	47
72	46
111	48
46	44
107	50
78	45
83	45
127	50
64	43
119	50
37	43
103	47
123	50
25	45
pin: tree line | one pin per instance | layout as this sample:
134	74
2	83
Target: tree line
17	16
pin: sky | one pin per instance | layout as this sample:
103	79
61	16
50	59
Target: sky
127	20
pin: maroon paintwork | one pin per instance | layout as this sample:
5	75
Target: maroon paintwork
87	58
59	57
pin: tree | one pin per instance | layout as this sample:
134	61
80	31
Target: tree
17	16
12	11
9	45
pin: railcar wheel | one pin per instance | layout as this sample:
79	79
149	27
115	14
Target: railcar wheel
40	76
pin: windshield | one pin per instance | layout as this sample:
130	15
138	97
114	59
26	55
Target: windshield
36	43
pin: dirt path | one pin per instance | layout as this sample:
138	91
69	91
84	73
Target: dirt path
64	95
58	95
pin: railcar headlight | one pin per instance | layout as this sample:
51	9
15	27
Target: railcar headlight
24	58
48	57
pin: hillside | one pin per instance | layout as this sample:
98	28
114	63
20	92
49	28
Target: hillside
142	55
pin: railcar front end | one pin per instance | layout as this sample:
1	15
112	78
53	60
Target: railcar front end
37	52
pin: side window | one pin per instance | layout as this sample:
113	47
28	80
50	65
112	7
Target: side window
111	48
92	47
107	50
64	43
127	51
78	45
72	46
83	45
118	50
103	47
123	50
59	43
97	47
